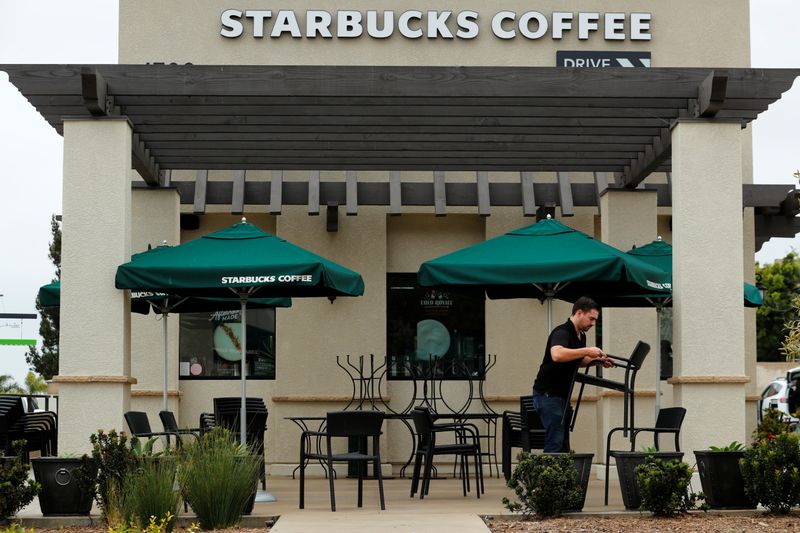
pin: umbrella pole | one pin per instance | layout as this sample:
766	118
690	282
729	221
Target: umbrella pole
658	358
166	363
243	341
549	314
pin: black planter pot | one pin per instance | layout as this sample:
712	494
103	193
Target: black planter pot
583	466
62	494
626	470
722	479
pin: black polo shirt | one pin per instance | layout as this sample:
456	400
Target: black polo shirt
555	378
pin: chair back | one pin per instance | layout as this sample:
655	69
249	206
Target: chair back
670	418
138	422
168	421
354	423
640	351
423	421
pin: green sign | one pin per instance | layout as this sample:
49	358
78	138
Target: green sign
17	342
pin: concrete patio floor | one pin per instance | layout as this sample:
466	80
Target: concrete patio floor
443	510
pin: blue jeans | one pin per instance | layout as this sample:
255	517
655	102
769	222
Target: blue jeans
551	412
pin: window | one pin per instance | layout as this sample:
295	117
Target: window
210	348
431	330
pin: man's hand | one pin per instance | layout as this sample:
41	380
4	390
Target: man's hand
607	363
594	352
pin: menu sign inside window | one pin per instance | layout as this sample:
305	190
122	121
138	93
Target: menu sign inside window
418	24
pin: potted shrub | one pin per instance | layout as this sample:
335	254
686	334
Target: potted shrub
545	485
626	471
721	477
16	489
771	465
64	487
583	470
664	487
148	493
218	478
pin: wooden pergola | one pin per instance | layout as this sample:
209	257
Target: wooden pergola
614	123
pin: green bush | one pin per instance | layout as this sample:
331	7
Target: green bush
664	487
771	472
148	493
217	477
114	460
773	423
16	489
545	485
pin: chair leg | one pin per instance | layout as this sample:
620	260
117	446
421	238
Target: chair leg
380	479
415	474
479	474
426	478
464	474
302	481
330	482
362	465
608	458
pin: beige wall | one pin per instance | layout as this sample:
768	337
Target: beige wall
189	31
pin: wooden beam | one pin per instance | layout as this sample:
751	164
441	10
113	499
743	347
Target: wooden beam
650	160
439	194
201	183
351	194
94	91
395	194
144	163
313	193
565	194
276	192
237	199
600	185
484	200
332	217
528	194
711	93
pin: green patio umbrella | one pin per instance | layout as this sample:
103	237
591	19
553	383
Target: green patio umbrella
659	253
242	260
50	296
545	260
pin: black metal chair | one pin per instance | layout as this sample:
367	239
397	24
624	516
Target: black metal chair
359	425
631	365
467	444
139	425
521	429
226	414
170	425
669	421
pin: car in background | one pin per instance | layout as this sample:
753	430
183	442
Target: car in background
782	394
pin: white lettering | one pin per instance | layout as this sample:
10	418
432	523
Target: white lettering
587	22
372	24
403	24
231	25
285	21
525	21
348	24
258	21
437	24
467	23
615	27
318	23
497	25
561	22
640	27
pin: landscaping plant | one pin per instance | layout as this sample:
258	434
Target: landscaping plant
545	485
113	459
770	471
734	446
16	489
148	493
664	487
218	477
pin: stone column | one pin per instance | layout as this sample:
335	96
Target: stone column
708	328
628	218
94	347
155	217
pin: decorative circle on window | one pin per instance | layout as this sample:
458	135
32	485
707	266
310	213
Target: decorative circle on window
227	341
433	339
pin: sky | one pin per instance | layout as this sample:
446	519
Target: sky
85	31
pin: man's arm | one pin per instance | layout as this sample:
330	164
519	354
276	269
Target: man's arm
560	354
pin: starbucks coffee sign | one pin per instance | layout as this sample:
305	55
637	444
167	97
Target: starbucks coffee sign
412	24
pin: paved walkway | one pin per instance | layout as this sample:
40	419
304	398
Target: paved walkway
444	510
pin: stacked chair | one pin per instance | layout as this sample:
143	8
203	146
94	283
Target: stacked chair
521	429
226	414
39	430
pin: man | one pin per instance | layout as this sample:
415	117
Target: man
566	350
